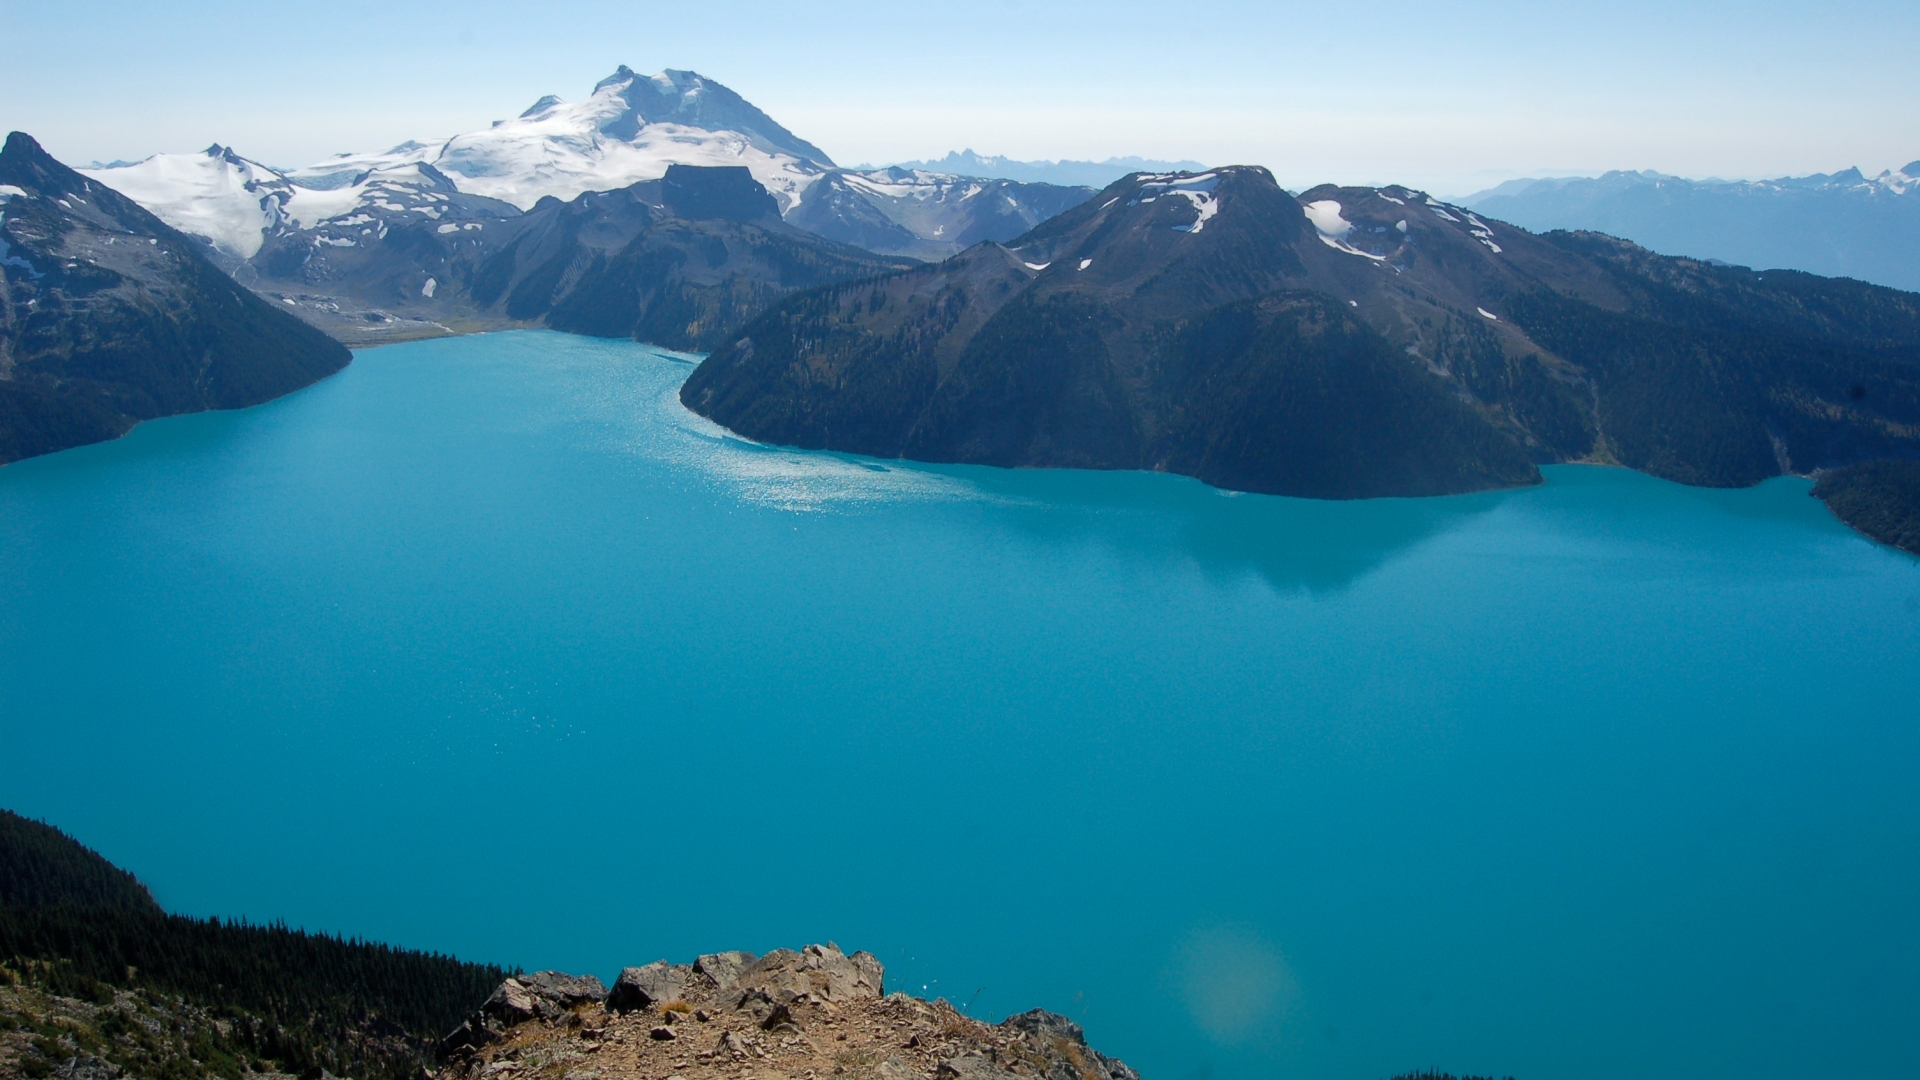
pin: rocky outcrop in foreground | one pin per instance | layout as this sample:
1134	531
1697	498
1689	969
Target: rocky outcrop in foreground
807	1015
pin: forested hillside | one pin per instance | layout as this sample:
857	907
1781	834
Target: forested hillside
169	996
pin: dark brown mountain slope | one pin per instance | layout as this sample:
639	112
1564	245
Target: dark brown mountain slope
680	262
109	317
1350	342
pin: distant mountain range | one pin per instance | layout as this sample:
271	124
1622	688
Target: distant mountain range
679	261
1347	342
1096	174
1842	224
1350	342
630	129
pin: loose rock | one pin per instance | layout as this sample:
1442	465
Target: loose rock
810	1014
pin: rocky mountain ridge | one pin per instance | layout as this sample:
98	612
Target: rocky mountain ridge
803	1015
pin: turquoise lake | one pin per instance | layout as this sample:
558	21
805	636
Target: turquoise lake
486	646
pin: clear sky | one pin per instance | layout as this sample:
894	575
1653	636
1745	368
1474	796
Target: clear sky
1451	97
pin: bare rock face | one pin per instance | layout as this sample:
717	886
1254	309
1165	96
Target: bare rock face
561	992
543	994
723	969
822	971
648	986
1041	1026
511	1004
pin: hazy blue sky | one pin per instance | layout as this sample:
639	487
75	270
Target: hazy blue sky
1447	96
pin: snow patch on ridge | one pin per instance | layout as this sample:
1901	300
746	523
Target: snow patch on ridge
1481	233
1197	190
1333	228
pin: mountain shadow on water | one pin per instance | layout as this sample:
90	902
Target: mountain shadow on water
1293	545
109	317
1352	342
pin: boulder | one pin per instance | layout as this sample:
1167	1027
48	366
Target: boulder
755	1002
822	971
511	1003
647	986
542	995
781	1014
1046	1025
566	991
872	972
731	1044
723	968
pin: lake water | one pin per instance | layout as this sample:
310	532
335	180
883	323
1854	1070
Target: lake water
486	646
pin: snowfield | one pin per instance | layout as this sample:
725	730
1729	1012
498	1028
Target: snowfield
216	194
555	148
632	128
1333	228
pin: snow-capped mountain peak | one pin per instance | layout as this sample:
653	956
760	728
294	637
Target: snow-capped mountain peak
630	129
215	193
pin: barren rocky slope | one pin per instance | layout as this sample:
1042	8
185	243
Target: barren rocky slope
807	1015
